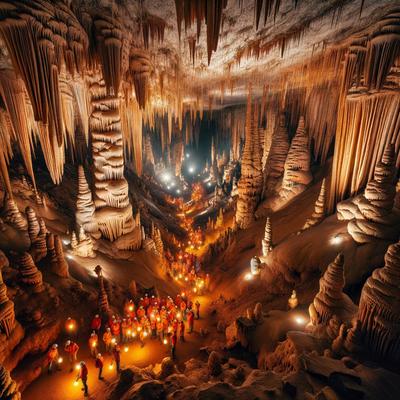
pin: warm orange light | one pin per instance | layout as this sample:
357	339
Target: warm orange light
60	360
130	308
126	349
75	383
165	341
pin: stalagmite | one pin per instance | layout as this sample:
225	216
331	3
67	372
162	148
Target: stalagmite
113	209
250	183
330	300
379	308
33	224
267	241
275	163
29	274
12	215
59	266
148	153
372	215
293	302
82	247
297	173
319	209
7	313
8	387
103	298
38	248
85	210
159	245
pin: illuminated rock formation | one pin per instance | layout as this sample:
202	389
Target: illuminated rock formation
33	224
219	223
354	341
83	246
277	156
319	209
379	308
148	154
7	313
250	183
371	214
113	209
235	190
266	243
59	266
104	306
297	173
293	302
8	387
51	251
12	215
159	245
29	274
330	300
38	248
85	210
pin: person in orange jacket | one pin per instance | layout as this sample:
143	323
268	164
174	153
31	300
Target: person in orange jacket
83	375
52	357
190	319
93	343
96	324
71	348
173	345
107	339
181	331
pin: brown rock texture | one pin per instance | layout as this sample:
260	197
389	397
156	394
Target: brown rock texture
267	240
12	215
8	388
29	274
7	313
319	209
379	308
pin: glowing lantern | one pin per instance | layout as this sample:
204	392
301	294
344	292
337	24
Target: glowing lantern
165	341
60	360
126	349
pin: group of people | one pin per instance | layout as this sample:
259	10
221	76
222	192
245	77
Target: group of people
164	319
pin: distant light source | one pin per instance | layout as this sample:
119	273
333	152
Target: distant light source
168	187
187	155
166	176
248	276
65	241
209	184
191	169
69	256
178	191
172	184
336	239
300	320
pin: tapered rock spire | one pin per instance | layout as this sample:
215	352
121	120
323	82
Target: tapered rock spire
38	248
103	298
8	387
159	245
33	223
297	173
319	209
29	274
250	183
85	210
59	266
330	300
267	241
379	308
12	215
148	153
7	313
371	214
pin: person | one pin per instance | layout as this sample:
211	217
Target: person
197	304
70	326
99	363
124	330
107	339
173	344
71	348
93	343
181	331
117	357
96	324
190	319
83	375
52	357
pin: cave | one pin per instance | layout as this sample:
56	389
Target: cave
199	199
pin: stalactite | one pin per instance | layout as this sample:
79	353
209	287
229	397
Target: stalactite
153	28
139	73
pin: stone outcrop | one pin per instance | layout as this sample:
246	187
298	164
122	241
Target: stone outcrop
379	308
8	387
159	245
85	209
250	183
319	209
12	215
59	265
297	173
33	223
330	300
104	306
38	248
372	215
29	274
267	241
7	313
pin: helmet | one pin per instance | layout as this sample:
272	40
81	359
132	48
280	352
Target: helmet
97	316
108	329
55	345
82	363
93	334
68	342
98	355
